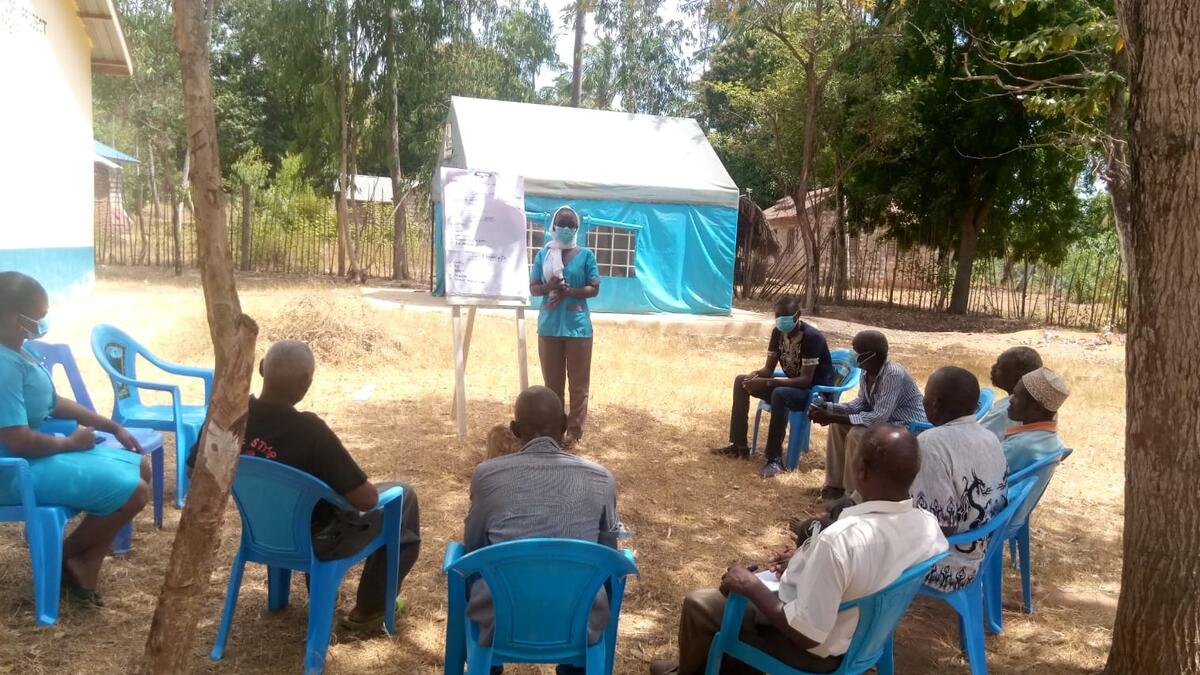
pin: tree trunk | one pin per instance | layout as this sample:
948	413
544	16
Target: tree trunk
177	214
399	214
1116	172
841	251
181	601
1158	619
246	205
344	180
807	227
577	62
968	240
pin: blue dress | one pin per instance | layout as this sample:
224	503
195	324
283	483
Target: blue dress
570	318
97	481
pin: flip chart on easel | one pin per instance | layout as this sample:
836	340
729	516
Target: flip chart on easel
484	221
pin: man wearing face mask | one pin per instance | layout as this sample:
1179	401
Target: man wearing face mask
800	350
888	393
566	274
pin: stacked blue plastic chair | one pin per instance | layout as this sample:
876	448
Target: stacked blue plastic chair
151	441
870	646
800	428
276	503
1017	536
968	601
542	591
986	398
117	354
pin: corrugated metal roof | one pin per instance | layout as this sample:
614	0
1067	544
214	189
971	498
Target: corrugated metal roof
110	54
112	153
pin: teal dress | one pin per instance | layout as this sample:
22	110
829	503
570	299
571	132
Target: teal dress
570	318
97	481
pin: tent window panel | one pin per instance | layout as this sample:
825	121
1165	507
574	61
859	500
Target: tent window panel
535	238
614	248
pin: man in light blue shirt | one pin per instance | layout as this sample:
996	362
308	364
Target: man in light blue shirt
1034	409
1012	364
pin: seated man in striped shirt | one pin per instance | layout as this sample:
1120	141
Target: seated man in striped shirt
541	491
887	393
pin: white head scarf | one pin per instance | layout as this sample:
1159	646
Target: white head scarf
552	262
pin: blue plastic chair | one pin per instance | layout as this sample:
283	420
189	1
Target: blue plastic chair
542	590
870	646
1017	536
800	428
117	354
276	503
151	441
968	601
44	527
986	398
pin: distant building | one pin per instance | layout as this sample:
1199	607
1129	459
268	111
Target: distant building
108	186
49	50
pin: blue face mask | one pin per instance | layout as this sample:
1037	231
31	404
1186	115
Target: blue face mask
565	235
785	324
36	330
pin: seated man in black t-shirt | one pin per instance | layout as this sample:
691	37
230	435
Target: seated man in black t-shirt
800	350
276	430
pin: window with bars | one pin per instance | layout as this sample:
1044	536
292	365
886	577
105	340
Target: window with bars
614	248
535	237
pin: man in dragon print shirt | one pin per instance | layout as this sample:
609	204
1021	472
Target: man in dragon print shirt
963	479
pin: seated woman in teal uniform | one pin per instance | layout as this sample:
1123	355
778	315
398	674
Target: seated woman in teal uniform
567	275
109	484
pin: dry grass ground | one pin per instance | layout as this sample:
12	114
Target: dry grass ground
660	399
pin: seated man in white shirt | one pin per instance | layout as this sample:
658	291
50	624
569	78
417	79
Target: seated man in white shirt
868	548
1012	364
963	478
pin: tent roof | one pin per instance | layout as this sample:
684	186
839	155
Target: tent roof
109	152
589	154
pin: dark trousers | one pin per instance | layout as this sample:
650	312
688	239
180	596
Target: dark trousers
564	359
783	400
700	620
372	586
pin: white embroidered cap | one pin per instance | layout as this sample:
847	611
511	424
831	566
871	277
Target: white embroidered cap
1047	388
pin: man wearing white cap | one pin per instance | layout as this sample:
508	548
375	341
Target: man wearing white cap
1034	408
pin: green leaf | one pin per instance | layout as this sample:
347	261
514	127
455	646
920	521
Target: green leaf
1018	8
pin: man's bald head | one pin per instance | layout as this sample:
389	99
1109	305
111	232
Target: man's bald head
950	393
287	370
887	462
539	413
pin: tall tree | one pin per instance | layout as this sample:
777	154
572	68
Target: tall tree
173	630
1158	619
580	20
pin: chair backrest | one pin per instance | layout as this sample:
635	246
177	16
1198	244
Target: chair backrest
543	591
880	613
117	354
1018	494
276	503
1040	472
848	372
986	398
60	355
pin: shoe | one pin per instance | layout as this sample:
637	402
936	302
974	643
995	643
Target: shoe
663	667
372	622
86	596
771	469
731	450
830	494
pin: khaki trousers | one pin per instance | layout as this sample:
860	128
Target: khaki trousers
700	620
566	359
839	455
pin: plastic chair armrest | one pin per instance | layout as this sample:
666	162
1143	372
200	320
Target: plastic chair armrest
454	551
388	497
735	609
24	481
205	374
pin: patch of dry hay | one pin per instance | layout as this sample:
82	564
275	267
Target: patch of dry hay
342	330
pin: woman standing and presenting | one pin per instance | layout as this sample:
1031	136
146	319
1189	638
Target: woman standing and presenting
567	275
109	484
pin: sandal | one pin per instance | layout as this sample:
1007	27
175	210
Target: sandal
86	596
372	622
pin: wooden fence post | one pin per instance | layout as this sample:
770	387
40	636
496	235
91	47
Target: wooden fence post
169	647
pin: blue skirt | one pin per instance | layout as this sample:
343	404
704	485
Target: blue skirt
97	481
